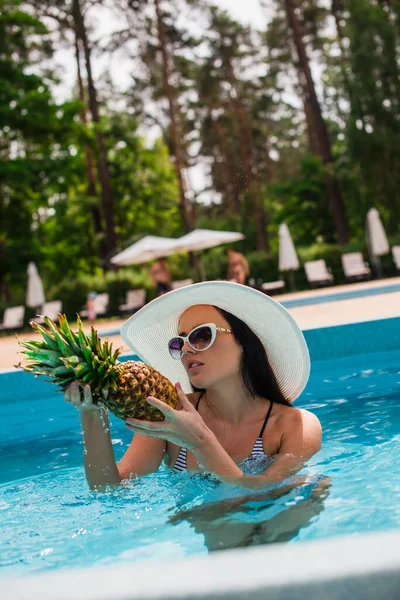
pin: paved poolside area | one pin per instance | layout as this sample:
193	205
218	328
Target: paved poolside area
324	314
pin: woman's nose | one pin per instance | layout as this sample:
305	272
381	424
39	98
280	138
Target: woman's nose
187	347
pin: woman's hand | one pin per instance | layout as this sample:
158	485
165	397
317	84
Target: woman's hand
183	427
73	395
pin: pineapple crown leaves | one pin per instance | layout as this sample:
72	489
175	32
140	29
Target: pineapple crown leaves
66	355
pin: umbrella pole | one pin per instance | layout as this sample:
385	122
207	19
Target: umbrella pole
378	267
200	267
291	280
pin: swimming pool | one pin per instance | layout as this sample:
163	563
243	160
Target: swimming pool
49	520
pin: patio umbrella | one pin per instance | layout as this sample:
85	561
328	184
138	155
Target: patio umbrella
148	248
288	260
34	292
377	241
201	239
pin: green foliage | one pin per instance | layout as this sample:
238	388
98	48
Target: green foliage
304	194
240	104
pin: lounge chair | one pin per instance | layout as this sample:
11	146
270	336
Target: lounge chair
135	299
49	309
181	283
317	273
396	256
101	306
13	318
354	267
271	287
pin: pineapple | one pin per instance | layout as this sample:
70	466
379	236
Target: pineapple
67	356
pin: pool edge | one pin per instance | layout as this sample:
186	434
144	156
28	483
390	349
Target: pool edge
361	566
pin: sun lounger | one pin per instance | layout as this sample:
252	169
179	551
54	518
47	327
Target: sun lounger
135	299
354	267
49	309
272	287
13	318
317	273
101	306
396	256
181	283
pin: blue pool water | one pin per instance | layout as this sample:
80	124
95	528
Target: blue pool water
50	520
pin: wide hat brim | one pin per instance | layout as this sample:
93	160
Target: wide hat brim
149	330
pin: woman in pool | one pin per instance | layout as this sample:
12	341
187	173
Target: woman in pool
239	360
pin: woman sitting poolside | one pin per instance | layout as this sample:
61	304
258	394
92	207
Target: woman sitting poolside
240	360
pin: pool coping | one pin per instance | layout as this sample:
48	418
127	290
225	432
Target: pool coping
363	566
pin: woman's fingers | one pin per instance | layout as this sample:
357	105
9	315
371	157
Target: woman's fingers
81	397
162	407
67	394
87	396
75	394
145	425
142	431
183	399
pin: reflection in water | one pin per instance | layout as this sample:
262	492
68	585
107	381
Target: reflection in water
255	519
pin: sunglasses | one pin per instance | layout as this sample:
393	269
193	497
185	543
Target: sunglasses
200	338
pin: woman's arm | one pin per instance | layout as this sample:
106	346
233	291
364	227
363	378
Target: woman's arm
143	456
100	466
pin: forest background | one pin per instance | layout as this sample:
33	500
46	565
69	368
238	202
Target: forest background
296	120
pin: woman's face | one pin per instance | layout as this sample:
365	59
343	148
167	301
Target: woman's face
219	362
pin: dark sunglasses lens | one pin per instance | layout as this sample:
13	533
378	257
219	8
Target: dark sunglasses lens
175	347
200	338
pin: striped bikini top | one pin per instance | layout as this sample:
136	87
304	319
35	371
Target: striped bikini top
258	449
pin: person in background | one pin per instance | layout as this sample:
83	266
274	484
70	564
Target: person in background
161	276
238	267
91	307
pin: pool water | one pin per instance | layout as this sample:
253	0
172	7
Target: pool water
50	520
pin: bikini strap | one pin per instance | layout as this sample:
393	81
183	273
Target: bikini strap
266	420
200	397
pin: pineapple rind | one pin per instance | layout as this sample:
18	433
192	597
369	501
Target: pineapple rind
135	381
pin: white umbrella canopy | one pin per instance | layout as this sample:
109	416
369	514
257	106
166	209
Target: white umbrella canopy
34	293
377	241
288	260
148	248
200	239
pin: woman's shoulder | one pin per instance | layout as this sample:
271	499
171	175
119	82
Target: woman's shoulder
293	418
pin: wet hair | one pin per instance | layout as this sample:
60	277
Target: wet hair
257	374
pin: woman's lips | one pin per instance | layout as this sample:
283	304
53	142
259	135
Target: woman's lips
194	368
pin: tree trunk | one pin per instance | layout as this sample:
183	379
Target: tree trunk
102	164
311	133
89	159
335	200
250	172
173	113
232	202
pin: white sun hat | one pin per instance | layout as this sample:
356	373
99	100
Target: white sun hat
149	330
